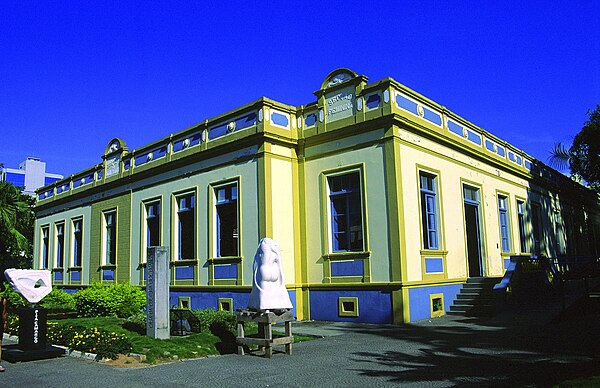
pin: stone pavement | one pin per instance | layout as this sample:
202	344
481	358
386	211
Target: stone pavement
536	345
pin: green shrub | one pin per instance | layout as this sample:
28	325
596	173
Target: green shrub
103	343
100	300
136	323
217	321
12	324
14	299
58	299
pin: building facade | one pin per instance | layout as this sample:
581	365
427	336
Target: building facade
30	176
384	203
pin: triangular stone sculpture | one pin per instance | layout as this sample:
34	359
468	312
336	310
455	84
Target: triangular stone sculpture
32	284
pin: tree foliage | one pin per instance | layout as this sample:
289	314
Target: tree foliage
583	157
16	227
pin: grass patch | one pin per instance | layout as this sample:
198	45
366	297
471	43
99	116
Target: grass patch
593	381
197	345
191	346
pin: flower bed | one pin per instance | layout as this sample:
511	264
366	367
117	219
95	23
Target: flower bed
103	343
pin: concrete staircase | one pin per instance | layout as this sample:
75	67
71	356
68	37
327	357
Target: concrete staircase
475	298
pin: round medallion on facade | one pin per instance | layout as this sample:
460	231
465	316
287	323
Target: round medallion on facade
186	143
149	156
420	110
231	127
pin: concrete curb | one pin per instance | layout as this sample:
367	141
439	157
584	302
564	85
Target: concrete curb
71	352
68	352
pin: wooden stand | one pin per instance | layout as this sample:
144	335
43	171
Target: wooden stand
265	339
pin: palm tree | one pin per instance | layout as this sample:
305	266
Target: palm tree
560	157
583	157
14	208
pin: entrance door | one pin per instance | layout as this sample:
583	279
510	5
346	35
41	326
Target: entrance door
473	231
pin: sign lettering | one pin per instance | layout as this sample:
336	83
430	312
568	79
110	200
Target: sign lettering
340	104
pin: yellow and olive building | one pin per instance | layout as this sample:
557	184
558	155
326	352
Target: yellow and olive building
384	203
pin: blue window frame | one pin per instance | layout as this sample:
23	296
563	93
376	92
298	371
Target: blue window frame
186	236
346	212
227	231
60	245
429	217
77	242
504	226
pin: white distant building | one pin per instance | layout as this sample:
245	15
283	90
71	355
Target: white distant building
30	175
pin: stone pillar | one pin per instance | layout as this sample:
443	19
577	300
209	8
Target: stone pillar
158	323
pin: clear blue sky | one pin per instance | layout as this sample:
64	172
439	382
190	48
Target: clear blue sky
73	75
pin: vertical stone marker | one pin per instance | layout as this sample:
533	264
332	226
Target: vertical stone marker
157	293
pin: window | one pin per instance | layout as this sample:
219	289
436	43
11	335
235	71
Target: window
152	230
153	224
225	304
348	307
110	238
45	247
77	242
184	302
429	217
60	245
436	305
184	230
521	215
504	225
226	208
345	212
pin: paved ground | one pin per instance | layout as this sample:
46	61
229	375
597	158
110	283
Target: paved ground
535	346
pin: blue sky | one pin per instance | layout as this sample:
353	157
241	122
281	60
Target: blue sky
73	75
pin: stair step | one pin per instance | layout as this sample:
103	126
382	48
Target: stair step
470	314
478	286
473	306
476	297
474	302
472	310
485	281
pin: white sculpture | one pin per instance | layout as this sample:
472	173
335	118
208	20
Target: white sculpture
32	284
268	286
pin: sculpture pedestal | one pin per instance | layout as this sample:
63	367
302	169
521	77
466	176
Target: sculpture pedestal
32	338
33	328
265	333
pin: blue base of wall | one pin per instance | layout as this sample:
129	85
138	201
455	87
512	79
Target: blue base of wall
202	300
419	301
373	306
